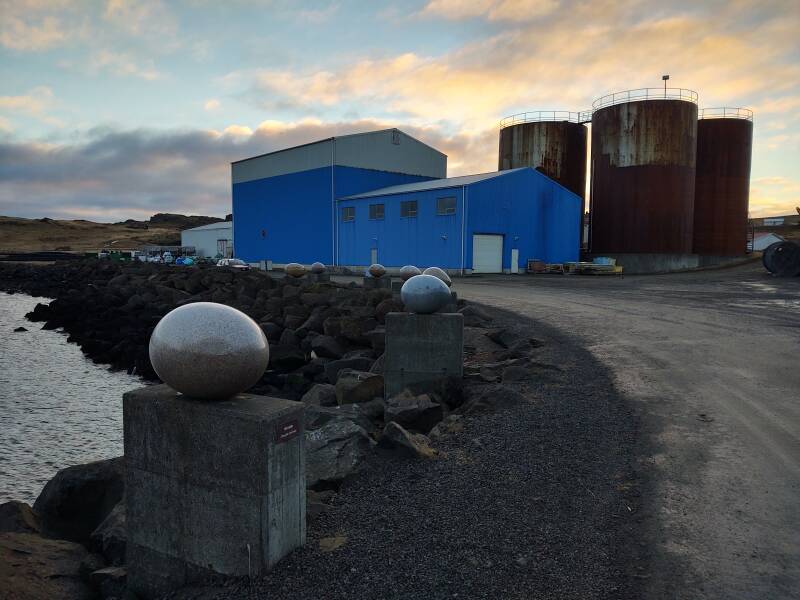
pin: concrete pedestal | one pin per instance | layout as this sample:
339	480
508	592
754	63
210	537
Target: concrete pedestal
376	283
211	487
422	351
397	286
319	277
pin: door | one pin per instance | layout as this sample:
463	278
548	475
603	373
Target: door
487	253
222	248
515	260
373	256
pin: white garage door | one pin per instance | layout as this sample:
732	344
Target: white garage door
487	253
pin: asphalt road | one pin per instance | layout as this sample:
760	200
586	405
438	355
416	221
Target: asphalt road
712	361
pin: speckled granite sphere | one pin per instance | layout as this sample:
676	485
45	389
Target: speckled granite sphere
295	270
424	294
408	272
208	351
318	268
437	272
377	270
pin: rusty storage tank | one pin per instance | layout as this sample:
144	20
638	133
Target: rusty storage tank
722	184
644	146
554	142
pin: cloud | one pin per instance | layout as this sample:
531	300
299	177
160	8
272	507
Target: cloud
317	16
122	65
493	10
774	195
34	103
25	25
113	174
211	104
149	18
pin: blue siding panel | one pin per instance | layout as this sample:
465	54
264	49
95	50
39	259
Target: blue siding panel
425	240
294	212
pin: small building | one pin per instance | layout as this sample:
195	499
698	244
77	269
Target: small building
284	202
486	223
211	240
762	240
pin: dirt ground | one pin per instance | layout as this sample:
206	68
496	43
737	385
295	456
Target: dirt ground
712	360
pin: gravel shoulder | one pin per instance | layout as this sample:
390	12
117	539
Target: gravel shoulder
537	500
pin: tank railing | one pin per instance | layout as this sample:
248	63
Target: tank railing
726	112
645	94
547	115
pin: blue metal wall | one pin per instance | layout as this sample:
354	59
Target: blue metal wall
287	218
531	211
424	240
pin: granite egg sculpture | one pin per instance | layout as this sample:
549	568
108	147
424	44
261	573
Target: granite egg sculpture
295	270
437	272
377	270
408	272
425	294
209	351
317	268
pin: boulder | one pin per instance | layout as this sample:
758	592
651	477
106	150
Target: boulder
333	368
355	387
335	451
36	568
418	413
505	337
387	306
415	445
110	581
351	328
78	498
515	373
289	338
326	346
319	416
452	424
110	537
321	394
377	366
285	358
18	517
318	503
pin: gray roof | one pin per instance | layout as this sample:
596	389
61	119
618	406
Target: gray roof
433	184
217	225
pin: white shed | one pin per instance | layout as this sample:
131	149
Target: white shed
210	240
762	240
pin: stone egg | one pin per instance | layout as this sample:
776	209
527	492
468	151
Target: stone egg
317	268
408	272
295	270
377	270
437	272
209	351
425	294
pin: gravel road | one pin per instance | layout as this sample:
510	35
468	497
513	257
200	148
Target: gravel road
711	360
540	500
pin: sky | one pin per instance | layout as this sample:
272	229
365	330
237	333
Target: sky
120	109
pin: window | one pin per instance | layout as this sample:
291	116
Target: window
408	208
446	206
348	213
376	212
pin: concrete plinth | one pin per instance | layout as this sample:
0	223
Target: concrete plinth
375	283
211	487
397	285
422	351
319	277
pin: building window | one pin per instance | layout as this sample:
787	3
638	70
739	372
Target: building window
446	206
348	213
376	212
408	208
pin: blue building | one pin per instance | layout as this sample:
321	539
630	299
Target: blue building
383	197
284	202
488	223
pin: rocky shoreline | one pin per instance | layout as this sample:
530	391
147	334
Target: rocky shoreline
326	343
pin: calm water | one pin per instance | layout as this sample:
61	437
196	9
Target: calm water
57	408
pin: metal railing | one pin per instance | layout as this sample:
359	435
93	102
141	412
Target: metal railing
547	115
726	112
645	94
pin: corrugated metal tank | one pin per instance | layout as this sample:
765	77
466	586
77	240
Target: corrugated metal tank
644	146
722	188
552	142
